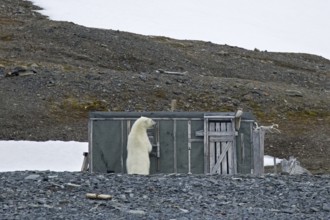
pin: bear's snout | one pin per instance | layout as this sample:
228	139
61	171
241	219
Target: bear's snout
153	123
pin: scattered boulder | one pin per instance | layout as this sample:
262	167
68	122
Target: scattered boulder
32	177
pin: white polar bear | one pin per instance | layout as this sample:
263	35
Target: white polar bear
139	147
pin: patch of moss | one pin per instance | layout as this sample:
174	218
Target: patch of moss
160	94
9	21
77	108
261	113
68	68
84	106
7	37
308	114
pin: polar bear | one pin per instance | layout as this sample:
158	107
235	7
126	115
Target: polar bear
139	147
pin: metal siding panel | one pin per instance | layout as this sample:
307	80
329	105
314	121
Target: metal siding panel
182	146
197	166
122	159
206	147
90	144
189	145
106	146
244	157
175	167
197	148
154	142
127	124
166	146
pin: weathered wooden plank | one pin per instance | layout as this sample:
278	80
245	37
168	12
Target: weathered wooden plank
234	150
98	196
218	148
221	139
215	133
258	151
256	144
234	156
223	128
221	133
230	150
212	147
261	152
242	148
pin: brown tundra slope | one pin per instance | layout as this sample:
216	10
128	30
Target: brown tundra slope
53	73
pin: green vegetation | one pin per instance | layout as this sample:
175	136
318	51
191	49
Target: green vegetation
78	108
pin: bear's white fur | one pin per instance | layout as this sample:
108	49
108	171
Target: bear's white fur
139	147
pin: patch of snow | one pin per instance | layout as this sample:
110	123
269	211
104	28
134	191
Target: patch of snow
49	155
269	160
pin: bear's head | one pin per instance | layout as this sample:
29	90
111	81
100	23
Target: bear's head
146	122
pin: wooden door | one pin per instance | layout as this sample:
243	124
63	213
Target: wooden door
221	142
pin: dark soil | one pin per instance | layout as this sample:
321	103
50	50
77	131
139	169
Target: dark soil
53	73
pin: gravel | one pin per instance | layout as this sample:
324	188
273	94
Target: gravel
62	195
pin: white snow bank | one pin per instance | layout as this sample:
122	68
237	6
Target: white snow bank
269	160
49	155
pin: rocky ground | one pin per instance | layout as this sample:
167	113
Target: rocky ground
53	73
50	195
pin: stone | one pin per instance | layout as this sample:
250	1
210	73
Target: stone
326	207
294	93
137	212
32	177
184	210
314	209
143	77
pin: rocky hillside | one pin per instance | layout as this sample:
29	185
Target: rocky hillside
53	73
